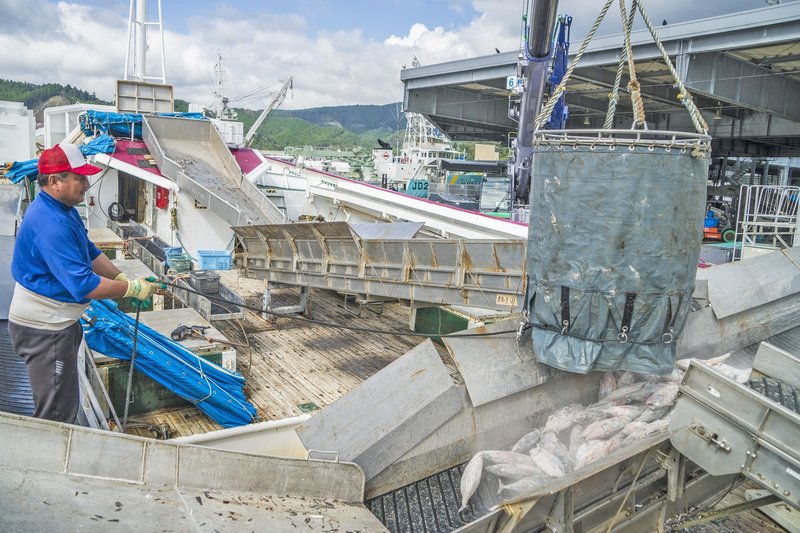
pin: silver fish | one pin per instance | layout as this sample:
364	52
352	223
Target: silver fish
606	410
514	471
739	375
664	396
563	418
575	440
614	443
608	384
471	478
625	378
548	462
549	438
522	487
562	452
605	428
676	376
634	393
649	415
590	452
633	427
649	430
527	442
496	457
683	364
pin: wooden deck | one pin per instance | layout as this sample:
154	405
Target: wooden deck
291	365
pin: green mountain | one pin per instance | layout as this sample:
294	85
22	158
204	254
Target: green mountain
326	127
341	127
354	118
34	96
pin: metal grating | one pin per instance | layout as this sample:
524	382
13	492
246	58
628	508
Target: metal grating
778	392
426	506
788	340
15	387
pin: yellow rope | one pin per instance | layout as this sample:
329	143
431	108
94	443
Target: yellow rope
633	85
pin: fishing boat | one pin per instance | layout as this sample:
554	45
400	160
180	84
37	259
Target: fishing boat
384	342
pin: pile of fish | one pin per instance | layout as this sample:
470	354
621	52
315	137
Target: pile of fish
630	407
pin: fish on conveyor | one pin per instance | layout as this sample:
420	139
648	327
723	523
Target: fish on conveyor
683	364
527	442
625	378
608	411
602	429
633	393
496	457
514	471
562	452
471	478
633	427
522	487
739	375
650	415
548	462
676	376
649	430
608	384
549	439
575	440
590	451
564	418
664	396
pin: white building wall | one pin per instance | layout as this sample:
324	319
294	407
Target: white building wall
17	132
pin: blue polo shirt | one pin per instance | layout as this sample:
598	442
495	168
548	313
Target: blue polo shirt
53	254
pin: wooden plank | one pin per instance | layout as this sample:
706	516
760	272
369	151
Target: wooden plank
294	362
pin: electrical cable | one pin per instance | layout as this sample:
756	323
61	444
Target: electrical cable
219	300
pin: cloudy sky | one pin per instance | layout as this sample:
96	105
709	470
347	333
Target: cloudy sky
339	51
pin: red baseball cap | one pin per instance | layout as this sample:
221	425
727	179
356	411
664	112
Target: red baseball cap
65	158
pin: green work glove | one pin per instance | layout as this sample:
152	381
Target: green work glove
121	277
142	288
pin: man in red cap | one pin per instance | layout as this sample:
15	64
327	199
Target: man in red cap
58	270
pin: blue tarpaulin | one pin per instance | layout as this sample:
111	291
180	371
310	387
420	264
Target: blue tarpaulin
18	170
120	124
214	390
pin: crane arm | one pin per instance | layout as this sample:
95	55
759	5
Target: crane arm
274	102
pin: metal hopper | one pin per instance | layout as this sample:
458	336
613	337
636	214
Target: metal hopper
192	153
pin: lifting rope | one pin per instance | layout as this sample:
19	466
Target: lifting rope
626	55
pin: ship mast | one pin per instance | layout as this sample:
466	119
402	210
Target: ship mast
136	57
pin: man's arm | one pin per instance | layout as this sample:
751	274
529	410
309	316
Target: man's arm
102	266
108	288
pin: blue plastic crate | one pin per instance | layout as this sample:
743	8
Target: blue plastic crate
172	250
214	259
180	262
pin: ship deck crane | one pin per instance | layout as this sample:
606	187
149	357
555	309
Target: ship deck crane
275	101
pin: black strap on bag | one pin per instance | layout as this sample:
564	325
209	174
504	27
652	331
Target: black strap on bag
627	316
564	309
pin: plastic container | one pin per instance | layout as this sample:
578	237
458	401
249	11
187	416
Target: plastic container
214	259
172	250
205	281
180	262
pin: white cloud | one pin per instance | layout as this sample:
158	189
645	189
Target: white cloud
70	43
